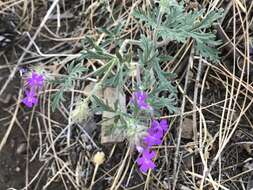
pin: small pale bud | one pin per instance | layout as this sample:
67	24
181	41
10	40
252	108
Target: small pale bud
80	112
99	158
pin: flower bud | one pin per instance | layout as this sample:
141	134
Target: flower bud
99	158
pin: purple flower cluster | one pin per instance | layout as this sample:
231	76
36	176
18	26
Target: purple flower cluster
140	99
35	83
145	161
154	134
154	137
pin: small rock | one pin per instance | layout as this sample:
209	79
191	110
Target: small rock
17	169
111	96
21	148
187	129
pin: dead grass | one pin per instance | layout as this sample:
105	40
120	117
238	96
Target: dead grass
202	162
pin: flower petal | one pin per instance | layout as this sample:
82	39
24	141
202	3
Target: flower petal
139	149
140	161
152	154
164	124
155	124
144	168
151	165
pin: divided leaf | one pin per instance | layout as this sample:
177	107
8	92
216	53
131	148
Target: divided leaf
179	25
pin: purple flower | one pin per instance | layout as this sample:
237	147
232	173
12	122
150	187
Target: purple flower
156	132
145	161
30	99
140	98
162	126
36	80
154	137
140	149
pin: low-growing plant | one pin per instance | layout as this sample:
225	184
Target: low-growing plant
137	72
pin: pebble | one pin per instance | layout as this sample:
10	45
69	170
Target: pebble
21	148
17	169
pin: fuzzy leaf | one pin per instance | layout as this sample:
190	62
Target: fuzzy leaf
179	25
66	82
99	105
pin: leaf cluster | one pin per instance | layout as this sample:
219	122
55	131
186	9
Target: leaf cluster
155	78
176	24
121	69
66	82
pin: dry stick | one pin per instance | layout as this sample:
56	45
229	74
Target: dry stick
236	176
231	97
227	132
204	123
93	177
229	43
52	54
201	142
32	15
181	64
93	143
226	39
7	133
130	174
130	13
195	99
70	119
40	137
245	85
124	174
53	178
232	86
146	187
24	9
50	138
190	112
39	173
9	6
167	162
237	93
233	83
68	173
12	74
175	173
121	167
201	154
246	58
17	122
228	138
112	151
200	176
27	149
206	170
107	173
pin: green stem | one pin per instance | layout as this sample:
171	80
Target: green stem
99	84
